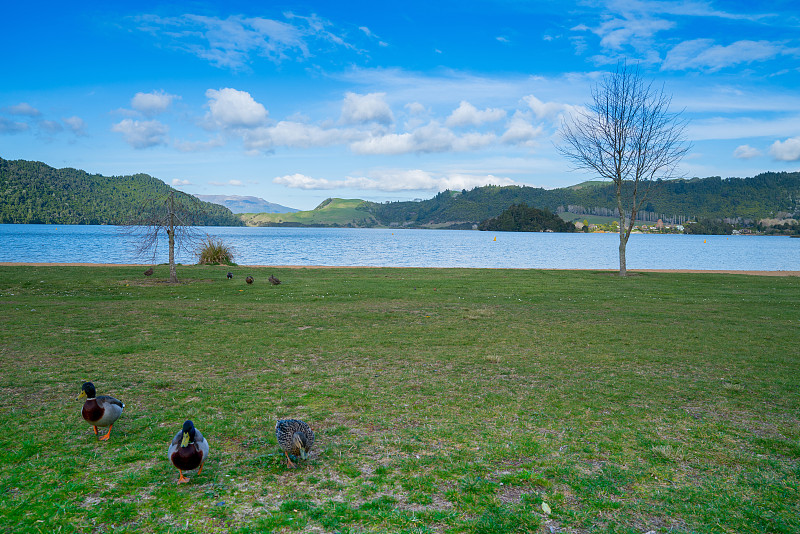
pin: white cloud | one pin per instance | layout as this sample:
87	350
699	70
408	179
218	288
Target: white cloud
152	103
468	115
76	125
415	108
142	134
177	182
703	54
395	180
232	42
51	127
298	134
788	150
371	35
230	108
389	144
432	137
359	109
197	146
295	134
11	127
630	30
520	131
746	152
234	183
552	111
24	109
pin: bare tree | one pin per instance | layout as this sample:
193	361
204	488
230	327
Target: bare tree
627	135
168	215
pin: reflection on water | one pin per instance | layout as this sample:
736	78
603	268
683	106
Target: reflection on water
414	248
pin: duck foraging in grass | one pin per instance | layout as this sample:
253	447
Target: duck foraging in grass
249	279
230	275
188	450
274	281
295	437
149	271
99	411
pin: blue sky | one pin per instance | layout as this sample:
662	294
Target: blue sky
297	102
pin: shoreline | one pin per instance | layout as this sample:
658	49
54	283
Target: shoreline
144	265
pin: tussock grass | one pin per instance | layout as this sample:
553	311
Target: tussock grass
213	251
657	402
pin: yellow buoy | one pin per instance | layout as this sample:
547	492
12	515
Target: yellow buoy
495	238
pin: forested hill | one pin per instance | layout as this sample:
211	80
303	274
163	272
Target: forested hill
767	195
32	192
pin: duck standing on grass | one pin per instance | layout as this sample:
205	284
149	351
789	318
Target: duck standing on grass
295	437
188	450
99	411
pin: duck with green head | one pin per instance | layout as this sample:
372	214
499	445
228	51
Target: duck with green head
295	437
188	450
99	411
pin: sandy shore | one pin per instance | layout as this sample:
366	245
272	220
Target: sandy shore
752	273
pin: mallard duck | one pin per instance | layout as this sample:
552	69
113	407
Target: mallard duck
274	281
249	279
149	271
295	437
188	450
99	411
230	275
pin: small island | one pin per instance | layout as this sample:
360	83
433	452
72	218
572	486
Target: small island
522	218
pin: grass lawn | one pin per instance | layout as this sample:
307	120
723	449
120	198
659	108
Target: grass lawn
443	400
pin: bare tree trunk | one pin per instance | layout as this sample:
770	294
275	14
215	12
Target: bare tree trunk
173	274
623	235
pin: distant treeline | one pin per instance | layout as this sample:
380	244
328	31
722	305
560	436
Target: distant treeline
34	193
767	195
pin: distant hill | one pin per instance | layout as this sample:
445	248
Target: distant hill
766	195
331	212
32	192
242	204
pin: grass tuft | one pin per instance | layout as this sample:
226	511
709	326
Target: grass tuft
212	251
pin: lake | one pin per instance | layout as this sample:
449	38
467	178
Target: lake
413	248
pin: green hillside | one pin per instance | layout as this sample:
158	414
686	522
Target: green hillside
332	212
764	196
34	193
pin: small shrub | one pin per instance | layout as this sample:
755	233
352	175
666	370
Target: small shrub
213	251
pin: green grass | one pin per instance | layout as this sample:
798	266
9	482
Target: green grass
334	211
444	400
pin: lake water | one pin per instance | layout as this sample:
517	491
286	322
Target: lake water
413	248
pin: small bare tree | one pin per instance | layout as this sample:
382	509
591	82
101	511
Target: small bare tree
167	215
627	135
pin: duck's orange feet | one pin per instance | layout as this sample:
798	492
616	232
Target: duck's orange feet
95	430
288	461
200	470
183	479
108	435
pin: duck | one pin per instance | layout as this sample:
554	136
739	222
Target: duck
149	271
99	411
295	437
188	450
249	279
230	275
274	281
